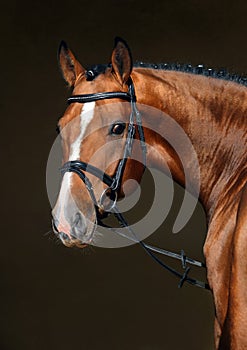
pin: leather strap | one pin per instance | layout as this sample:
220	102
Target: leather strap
78	165
99	96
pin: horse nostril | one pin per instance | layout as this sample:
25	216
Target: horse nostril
64	236
78	226
77	219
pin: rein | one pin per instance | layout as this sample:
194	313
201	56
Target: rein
114	182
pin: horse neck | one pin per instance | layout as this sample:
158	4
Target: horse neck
212	112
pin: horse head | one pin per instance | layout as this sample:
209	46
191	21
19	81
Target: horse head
94	133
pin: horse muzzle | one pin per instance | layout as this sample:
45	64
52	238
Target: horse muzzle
73	232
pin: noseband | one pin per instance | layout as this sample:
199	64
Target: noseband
114	182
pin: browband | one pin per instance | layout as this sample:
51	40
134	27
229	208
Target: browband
99	96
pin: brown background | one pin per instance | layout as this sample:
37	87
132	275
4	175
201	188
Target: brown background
56	298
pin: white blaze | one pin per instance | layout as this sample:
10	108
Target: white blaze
86	116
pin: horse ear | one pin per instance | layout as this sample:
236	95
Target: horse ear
69	65
121	61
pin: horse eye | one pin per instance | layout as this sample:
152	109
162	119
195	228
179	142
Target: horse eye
118	128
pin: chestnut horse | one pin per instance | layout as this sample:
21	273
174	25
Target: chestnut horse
212	111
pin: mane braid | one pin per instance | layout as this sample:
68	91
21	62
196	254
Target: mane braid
199	70
95	70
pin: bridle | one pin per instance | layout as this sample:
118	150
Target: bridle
114	182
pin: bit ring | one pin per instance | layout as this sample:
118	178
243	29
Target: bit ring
107	194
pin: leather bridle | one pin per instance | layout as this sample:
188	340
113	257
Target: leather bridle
114	182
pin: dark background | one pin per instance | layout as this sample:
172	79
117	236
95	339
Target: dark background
53	297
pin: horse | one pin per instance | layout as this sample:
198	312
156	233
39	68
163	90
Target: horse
211	109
